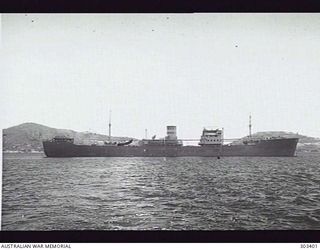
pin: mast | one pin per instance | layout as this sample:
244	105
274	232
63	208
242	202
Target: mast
221	144
109	125
250	125
146	133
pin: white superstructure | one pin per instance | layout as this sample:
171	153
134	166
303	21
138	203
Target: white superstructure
211	137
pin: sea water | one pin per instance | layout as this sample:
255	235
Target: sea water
191	193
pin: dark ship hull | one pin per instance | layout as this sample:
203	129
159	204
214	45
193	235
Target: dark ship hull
281	147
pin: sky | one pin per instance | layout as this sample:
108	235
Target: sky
153	70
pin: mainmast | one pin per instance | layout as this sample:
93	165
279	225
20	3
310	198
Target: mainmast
250	125
109	125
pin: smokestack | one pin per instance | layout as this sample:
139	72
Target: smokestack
172	132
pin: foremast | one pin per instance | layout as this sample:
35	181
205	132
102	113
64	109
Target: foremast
109	125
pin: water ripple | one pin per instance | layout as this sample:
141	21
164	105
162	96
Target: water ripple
160	193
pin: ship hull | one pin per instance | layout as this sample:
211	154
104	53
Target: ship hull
283	147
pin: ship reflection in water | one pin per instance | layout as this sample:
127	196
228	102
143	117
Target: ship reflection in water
185	193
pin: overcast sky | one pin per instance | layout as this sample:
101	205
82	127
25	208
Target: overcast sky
192	70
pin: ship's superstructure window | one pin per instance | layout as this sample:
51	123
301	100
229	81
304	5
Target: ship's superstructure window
211	137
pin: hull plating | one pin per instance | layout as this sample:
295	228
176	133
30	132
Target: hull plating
274	147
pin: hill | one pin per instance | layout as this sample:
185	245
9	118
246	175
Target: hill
28	137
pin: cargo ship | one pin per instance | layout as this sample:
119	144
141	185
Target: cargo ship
211	144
